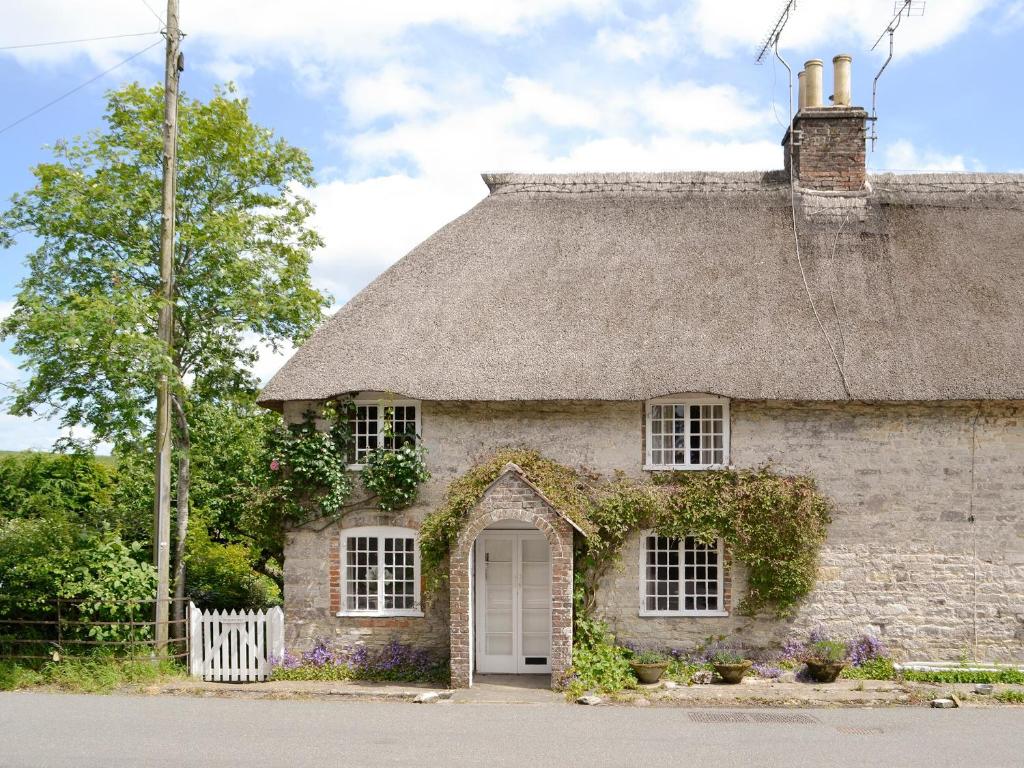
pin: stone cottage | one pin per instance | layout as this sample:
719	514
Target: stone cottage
866	330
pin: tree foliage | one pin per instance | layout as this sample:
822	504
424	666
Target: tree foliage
85	316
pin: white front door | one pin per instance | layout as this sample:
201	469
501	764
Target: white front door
513	601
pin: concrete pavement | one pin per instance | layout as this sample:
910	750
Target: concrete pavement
43	729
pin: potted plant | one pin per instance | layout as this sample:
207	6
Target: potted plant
648	666
730	665
825	659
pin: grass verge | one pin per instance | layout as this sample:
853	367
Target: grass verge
102	674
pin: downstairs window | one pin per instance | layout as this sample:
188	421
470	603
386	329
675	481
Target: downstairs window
681	577
381	575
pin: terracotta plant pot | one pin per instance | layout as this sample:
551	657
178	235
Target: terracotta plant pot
732	673
648	673
824	671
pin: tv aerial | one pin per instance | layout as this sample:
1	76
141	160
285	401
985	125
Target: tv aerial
901	9
771	43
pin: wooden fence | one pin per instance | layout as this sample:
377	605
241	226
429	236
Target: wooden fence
234	646
59	628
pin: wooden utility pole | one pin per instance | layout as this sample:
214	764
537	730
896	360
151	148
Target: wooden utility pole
165	331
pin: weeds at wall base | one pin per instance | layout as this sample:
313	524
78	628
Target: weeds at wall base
103	674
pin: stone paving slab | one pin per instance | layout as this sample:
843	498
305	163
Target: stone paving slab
298	689
506	689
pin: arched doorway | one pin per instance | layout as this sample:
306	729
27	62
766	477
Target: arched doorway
512	508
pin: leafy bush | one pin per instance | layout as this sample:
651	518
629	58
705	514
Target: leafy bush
76	485
394	662
394	477
223	577
98	577
602	667
872	669
1010	697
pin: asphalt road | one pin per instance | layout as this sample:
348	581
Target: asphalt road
55	730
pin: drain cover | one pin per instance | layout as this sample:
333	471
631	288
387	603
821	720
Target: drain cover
771	718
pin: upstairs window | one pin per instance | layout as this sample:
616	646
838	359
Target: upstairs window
381	572
687	433
383	424
681	577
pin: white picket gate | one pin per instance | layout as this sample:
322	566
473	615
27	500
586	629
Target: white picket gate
234	646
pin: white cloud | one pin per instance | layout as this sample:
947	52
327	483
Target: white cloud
6	307
902	155
392	90
738	26
637	40
257	30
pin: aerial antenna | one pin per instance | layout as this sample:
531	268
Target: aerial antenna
771	40
901	9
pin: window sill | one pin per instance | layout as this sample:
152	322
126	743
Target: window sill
379	614
683	614
683	467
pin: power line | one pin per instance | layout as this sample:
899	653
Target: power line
79	40
77	88
155	14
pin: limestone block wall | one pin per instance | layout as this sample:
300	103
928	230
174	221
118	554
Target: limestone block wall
903	558
603	436
900	556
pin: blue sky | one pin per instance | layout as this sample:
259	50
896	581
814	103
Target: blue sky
402	105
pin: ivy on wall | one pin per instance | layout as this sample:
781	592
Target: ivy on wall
773	524
311	467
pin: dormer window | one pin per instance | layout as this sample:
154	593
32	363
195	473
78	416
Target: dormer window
387	424
687	432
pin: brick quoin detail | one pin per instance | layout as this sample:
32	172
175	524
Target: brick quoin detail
335	574
511	497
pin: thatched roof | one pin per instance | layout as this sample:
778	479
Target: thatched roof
629	286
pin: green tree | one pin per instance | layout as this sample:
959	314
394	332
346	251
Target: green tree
85	316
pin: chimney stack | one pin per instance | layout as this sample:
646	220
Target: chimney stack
812	81
841	80
828	152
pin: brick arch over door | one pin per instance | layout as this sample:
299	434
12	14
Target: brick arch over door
512	497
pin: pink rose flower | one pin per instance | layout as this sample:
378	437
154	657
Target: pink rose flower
275	465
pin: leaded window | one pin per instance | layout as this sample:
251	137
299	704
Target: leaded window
382	424
681	576
381	571
687	433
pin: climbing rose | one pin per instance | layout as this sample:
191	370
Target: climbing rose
275	465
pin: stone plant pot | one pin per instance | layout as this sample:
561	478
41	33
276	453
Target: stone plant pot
648	673
824	671
732	673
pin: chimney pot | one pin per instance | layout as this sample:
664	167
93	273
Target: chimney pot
812	81
841	80
801	90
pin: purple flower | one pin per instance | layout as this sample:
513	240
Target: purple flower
767	670
866	648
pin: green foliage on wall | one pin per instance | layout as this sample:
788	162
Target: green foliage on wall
773	524
311	466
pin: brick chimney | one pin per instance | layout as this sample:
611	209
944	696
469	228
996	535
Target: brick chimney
828	153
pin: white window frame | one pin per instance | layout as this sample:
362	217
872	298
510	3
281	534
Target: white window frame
685	400
382	403
380	532
682	612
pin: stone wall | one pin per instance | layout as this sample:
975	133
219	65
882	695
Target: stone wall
900	553
601	435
